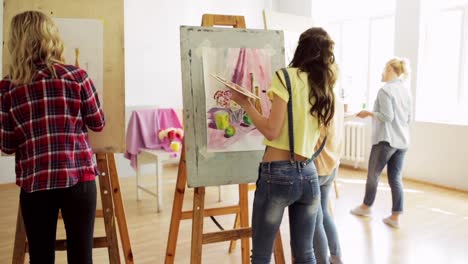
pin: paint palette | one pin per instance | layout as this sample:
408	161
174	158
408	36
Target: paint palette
235	87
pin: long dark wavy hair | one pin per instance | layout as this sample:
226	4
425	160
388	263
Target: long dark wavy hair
314	55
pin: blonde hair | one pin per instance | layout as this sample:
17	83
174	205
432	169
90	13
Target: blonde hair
34	38
400	66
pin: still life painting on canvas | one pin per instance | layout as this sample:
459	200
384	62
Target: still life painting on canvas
229	128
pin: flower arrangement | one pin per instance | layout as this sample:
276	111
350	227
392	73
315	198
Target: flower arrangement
172	137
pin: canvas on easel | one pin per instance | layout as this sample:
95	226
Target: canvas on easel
101	53
241	228
222	147
247	70
84	43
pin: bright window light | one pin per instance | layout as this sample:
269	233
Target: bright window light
363	46
380	51
439	96
364	39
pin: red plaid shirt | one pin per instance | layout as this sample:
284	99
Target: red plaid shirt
45	124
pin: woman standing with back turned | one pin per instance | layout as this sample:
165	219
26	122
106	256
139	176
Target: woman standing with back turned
390	138
287	174
46	108
327	164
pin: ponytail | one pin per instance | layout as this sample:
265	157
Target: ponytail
400	66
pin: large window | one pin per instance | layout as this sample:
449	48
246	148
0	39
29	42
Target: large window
363	46
442	94
364	40
380	51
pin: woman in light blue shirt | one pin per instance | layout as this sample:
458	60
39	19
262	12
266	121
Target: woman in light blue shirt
390	138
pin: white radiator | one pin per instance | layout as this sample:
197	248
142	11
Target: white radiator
355	142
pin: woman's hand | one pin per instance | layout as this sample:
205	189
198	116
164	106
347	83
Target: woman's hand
237	97
364	114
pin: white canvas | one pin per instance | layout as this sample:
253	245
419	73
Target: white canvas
87	35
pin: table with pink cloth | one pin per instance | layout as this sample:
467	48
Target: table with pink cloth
143	128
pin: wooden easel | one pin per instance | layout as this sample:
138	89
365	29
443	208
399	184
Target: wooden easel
241	227
112	206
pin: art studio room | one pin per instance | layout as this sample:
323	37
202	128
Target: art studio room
216	131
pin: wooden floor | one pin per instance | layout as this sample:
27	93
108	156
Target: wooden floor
434	227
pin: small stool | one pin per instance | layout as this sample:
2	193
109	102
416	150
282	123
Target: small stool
159	158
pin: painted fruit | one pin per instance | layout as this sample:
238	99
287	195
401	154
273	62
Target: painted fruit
229	131
247	120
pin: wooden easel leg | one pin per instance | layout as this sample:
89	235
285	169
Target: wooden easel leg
108	208
244	221
19	251
119	210
176	210
233	243
278	250
197	225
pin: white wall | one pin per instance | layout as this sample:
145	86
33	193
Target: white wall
295	7
438	153
152	57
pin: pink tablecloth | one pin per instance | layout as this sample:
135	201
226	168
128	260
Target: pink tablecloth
143	128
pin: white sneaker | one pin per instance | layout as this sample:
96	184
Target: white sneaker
391	223
360	211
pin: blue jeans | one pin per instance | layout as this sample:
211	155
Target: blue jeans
326	236
383	154
284	184
40	212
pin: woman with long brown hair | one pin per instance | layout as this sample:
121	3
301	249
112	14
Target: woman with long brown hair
46	108
302	102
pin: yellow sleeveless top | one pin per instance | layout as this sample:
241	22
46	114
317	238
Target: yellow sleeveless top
306	127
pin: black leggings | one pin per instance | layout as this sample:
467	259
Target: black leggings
40	211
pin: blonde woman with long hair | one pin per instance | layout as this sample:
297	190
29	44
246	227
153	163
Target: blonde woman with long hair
390	138
46	108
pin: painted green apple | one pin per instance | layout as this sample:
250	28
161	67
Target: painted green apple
247	120
229	131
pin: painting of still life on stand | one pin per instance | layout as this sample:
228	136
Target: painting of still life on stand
229	128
